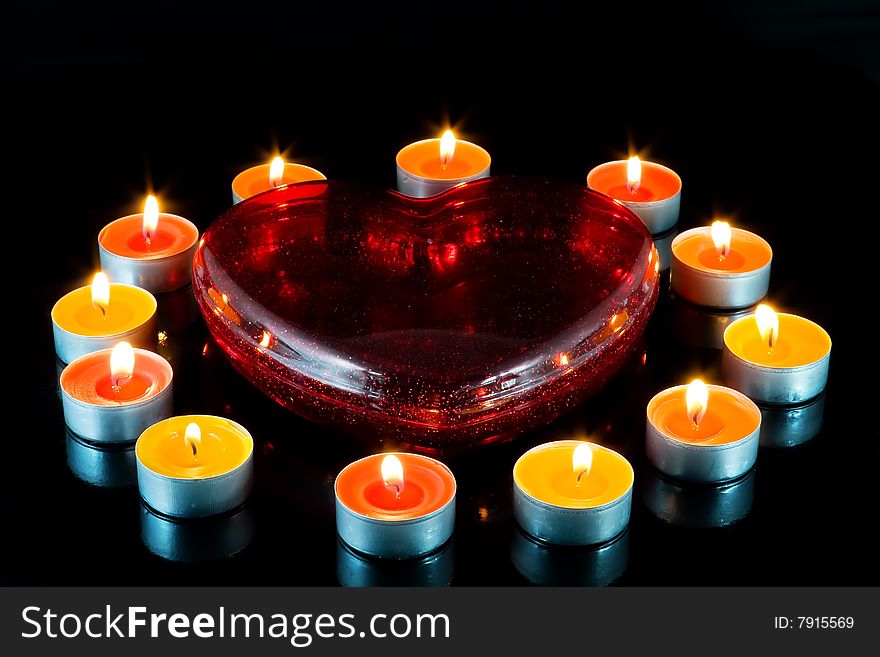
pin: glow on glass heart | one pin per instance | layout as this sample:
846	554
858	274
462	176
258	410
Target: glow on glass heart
438	323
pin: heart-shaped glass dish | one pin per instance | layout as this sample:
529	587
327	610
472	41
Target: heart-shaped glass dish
440	323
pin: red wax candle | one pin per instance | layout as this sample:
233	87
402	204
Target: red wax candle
112	395
151	249
651	190
427	486
395	505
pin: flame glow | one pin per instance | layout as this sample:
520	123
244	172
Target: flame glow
276	172
121	363
768	324
721	235
697	399
151	218
447	147
101	292
192	436
392	473
633	174
582	460
266	340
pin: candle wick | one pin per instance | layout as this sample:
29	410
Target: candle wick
580	474
192	445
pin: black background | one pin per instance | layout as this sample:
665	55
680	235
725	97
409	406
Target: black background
767	110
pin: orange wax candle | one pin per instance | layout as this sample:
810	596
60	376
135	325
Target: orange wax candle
776	357
112	395
151	249
195	465
572	492
651	190
702	433
721	266
395	505
98	316
264	177
431	166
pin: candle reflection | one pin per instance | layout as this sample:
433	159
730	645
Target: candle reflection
694	505
176	310
354	569
106	466
549	565
701	328
663	244
202	539
791	425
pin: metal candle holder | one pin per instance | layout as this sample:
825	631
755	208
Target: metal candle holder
718	289
156	275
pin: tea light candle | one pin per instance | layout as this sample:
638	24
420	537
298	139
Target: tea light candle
264	177
193	466
395	505
153	250
720	266
571	492
776	358
112	395
702	433
651	190
431	166
99	315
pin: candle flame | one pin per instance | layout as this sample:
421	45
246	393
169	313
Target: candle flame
266	340
276	172
192	436
392	473
721	235
447	147
582	460
768	324
697	399
151	218
633	174
121	363
101	292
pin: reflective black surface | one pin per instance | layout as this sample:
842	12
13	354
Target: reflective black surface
773	127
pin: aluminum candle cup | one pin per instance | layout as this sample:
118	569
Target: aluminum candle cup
739	280
571	492
79	326
193	466
656	199
162	265
98	411
793	371
395	506
422	173
723	445
691	505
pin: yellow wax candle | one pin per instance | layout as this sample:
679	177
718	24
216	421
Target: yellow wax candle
776	358
549	473
793	342
174	448
126	307
99	315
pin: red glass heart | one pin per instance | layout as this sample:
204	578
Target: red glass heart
439	322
